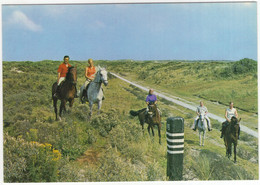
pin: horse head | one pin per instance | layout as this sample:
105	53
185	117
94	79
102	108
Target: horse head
202	116
234	120
152	109
101	76
202	121
72	74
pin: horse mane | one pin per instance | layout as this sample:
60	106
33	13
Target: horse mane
68	75
232	128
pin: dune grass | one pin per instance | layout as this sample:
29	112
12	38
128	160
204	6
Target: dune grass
113	140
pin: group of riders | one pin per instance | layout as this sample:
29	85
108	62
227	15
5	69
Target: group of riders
63	70
229	113
201	109
150	99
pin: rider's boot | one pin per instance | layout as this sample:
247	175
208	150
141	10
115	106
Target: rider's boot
57	91
196	125
222	131
209	127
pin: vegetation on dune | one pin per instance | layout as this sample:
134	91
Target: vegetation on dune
216	81
109	146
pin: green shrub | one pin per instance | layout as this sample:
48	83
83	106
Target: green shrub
154	173
244	66
29	161
114	168
106	121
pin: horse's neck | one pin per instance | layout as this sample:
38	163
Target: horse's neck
96	85
156	116
69	78
69	84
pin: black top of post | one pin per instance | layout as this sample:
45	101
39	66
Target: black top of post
175	125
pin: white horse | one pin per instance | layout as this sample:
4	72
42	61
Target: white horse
202	127
95	92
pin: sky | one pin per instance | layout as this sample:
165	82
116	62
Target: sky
170	31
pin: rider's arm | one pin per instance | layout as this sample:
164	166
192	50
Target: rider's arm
86	75
197	112
86	72
206	112
236	114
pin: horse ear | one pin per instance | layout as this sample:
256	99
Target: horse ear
76	65
239	120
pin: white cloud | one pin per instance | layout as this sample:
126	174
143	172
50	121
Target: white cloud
19	18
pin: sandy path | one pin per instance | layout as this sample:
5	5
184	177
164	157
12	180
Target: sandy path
185	104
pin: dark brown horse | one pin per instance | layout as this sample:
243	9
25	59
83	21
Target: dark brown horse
231	137
152	118
67	91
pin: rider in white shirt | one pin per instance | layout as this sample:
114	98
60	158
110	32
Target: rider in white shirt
199	110
230	112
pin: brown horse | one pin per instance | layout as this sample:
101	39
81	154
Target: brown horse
67	91
231	136
152	118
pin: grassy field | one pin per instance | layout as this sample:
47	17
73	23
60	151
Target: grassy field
217	83
107	147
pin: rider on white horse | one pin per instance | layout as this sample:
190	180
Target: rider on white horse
199	110
89	74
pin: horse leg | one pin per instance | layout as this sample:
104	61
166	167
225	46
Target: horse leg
203	139
55	107
159	133
71	101
229	150
235	152
81	94
99	106
152	130
148	128
90	108
200	137
62	107
152	133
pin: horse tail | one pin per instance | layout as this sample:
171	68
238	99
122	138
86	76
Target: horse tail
136	113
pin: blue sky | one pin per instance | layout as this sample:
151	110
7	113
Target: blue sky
184	31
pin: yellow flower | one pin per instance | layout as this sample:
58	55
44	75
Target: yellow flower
57	155
48	147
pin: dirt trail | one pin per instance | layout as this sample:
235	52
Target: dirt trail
187	104
90	156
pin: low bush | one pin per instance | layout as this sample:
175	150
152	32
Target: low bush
29	161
